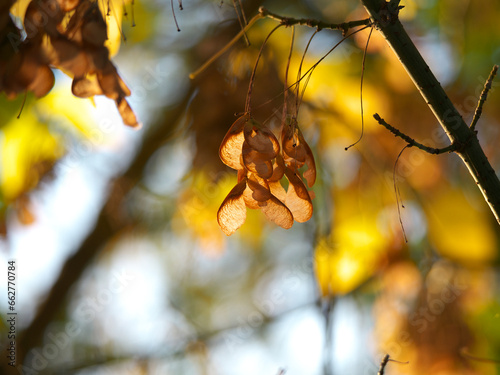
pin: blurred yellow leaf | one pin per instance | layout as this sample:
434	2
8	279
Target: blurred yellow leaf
459	229
113	17
18	9
27	150
73	111
351	256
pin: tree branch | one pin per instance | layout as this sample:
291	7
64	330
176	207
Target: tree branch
385	17
411	142
288	21
105	229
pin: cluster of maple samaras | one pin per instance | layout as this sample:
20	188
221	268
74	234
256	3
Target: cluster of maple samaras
255	153
68	35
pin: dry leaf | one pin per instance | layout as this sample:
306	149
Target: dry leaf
261	139
128	116
231	147
43	81
259	188
277	212
68	5
297	198
278	169
277	190
296	152
232	212
86	87
255	162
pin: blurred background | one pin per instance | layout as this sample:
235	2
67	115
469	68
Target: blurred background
122	268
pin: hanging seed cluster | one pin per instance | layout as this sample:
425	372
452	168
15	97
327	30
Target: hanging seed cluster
253	150
65	34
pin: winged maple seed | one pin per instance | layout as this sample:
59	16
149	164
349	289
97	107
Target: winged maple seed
68	35
254	152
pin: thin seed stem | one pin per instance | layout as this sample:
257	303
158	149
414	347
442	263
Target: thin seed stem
252	77
22	104
311	69
398	200
285	94
241	19
361	91
173	14
299	97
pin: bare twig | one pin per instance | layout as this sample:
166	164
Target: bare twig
482	98
411	142
384	362
226	47
289	21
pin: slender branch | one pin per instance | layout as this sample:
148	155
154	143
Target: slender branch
285	21
482	98
103	232
289	21
385	17
182	344
226	47
411	142
384	362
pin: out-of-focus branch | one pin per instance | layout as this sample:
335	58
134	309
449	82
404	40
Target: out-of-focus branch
104	230
184	344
